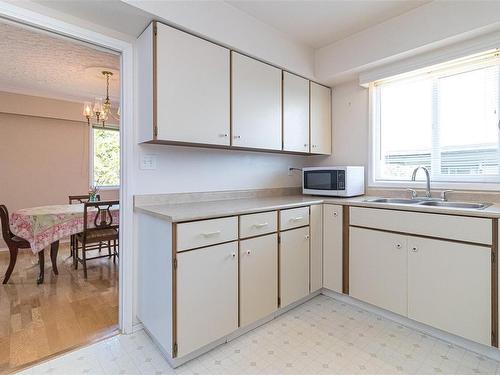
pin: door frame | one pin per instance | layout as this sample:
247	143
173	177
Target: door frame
25	16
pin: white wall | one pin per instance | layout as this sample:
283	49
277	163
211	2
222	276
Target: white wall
222	23
184	169
430	26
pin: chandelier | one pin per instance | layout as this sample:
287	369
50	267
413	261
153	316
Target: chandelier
99	112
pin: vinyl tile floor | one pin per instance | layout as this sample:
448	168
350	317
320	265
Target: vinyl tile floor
322	336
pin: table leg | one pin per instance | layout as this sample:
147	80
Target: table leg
54	248
41	262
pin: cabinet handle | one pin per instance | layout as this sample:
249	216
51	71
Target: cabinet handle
211	234
298	218
398	246
305	144
414	249
335	214
237	136
248	252
307	236
262	225
233	255
223	135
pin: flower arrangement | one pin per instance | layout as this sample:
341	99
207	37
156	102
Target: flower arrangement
94	191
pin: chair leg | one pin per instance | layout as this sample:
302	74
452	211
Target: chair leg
41	262
100	246
75	255
12	262
84	257
114	251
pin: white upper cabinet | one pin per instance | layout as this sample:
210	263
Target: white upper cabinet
321	119
193	103
256	104
295	113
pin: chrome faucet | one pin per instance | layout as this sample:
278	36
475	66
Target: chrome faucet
427	175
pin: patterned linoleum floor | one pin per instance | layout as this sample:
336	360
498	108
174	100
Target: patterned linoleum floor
322	336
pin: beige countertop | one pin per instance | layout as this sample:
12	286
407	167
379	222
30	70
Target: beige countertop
198	210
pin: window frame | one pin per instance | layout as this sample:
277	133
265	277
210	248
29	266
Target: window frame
91	155
485	183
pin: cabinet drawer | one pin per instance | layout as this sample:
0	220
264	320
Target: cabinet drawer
293	218
206	232
257	224
470	229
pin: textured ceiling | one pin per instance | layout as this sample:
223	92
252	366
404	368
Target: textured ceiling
35	62
318	23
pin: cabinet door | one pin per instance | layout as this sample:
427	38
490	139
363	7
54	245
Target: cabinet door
378	269
449	287
294	265
207	295
258	278
295	113
192	88
332	247
321	119
316	259
256	103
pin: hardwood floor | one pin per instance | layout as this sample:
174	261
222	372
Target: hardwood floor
38	321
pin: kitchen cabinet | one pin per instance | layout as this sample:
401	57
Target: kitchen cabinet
449	287
378	269
332	247
295	113
258	278
207	295
192	88
316	256
321	119
256	104
294	265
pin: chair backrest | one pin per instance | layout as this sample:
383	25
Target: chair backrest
4	218
76	199
98	216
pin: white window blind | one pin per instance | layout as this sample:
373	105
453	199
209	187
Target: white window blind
445	118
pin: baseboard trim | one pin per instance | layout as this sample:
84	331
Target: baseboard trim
480	349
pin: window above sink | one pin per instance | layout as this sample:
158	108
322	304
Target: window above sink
446	118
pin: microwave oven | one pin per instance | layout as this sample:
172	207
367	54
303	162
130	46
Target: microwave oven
346	181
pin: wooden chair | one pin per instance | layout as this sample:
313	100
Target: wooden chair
14	243
104	230
78	199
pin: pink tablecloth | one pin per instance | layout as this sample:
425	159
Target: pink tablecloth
41	226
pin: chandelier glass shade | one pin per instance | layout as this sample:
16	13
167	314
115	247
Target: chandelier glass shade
100	111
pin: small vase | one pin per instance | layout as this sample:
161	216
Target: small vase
92	197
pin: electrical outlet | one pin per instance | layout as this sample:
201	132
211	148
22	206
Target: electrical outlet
290	171
148	162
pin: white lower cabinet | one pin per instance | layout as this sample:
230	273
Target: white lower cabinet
332	247
207	295
258	278
294	265
449	287
316	259
378	269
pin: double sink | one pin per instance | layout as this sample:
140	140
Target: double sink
431	202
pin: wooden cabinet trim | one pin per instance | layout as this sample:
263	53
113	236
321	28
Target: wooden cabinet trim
155	81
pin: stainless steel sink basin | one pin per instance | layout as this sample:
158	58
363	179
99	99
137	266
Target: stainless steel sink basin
394	200
475	206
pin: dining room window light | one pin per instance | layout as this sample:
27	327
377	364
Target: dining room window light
106	157
445	117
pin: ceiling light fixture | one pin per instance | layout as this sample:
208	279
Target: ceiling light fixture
99	112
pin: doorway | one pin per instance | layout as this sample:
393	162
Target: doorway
50	147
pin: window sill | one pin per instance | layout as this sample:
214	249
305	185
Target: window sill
117	187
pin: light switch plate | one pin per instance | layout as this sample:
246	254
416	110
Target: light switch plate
148	162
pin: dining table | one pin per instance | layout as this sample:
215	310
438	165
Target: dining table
46	225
